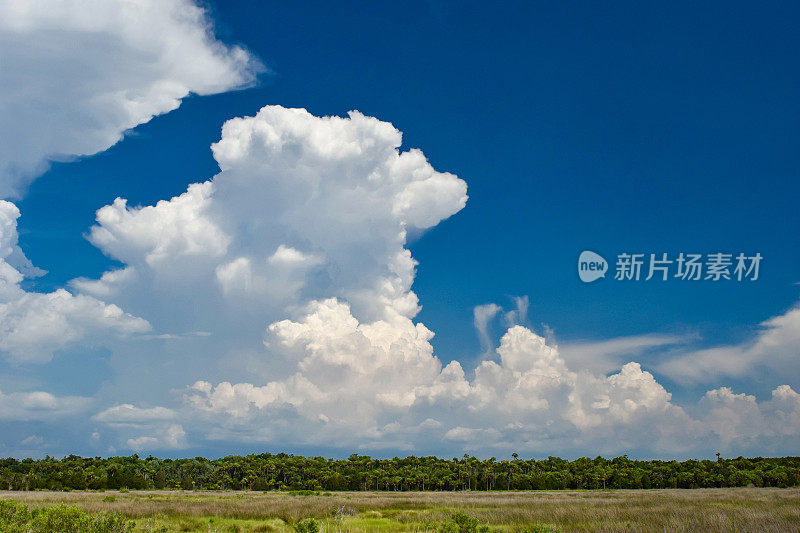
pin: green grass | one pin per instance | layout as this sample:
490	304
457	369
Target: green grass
16	517
716	510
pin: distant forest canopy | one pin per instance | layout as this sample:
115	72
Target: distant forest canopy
358	472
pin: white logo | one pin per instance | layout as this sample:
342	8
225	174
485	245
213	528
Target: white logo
633	266
591	266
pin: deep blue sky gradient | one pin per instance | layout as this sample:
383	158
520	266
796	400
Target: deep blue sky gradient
632	126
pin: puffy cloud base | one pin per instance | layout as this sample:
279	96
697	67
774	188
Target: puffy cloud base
361	385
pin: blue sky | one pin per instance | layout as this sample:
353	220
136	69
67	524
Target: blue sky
632	127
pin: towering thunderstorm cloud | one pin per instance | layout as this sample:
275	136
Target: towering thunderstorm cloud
273	303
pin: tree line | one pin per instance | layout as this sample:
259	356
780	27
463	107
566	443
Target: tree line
282	471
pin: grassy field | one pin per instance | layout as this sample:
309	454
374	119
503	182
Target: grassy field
721	510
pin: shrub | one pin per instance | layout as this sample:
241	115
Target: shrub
309	525
17	518
461	523
13	514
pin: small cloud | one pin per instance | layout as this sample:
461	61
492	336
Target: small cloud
519	316
609	354
482	315
288	256
774	346
39	405
129	414
173	437
32	441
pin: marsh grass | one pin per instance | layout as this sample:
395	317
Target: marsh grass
715	510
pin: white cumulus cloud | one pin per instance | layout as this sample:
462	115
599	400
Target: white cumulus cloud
78	73
40	405
34	325
358	384
172	437
294	261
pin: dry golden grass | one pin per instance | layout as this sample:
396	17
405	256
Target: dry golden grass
717	510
